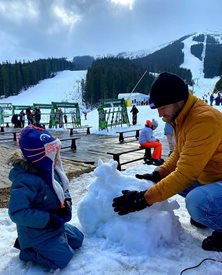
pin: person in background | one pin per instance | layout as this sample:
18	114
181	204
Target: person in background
59	117
168	132
15	121
147	140
37	116
22	118
211	99
61	124
65	119
85	115
217	100
29	115
134	112
40	203
194	169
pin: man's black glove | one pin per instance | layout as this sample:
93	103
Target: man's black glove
155	176
130	201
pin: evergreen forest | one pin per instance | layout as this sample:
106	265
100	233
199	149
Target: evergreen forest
21	75
107	77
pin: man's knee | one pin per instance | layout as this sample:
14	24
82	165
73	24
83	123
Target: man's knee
195	201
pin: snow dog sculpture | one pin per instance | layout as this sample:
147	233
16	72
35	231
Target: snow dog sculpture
138	232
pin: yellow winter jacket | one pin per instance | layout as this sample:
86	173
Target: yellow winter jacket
197	153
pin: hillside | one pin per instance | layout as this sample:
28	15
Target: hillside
195	57
206	47
65	86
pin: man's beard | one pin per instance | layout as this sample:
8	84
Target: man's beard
172	118
165	119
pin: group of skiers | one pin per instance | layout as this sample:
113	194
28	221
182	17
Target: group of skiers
18	120
33	117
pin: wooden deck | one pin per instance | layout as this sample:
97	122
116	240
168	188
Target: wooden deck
92	147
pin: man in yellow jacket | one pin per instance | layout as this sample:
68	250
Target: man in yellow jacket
194	169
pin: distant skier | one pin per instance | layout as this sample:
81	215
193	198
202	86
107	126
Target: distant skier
15	121
22	118
29	115
85	115
134	112
37	116
211	99
65	119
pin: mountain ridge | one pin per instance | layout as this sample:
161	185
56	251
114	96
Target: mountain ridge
205	46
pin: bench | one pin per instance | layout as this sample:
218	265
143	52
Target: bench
121	137
5	139
73	142
116	156
80	129
14	137
3	128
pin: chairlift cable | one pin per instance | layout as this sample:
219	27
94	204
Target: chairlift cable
134	88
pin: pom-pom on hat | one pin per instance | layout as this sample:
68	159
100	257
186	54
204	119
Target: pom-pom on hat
154	123
167	89
39	147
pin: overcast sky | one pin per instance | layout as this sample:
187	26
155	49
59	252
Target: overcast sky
32	29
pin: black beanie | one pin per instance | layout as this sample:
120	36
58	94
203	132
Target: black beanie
167	89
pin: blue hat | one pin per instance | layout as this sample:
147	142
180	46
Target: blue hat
40	148
34	143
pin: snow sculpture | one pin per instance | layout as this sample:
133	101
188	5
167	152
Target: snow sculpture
138	232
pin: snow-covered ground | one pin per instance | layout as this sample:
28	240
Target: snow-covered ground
147	242
157	240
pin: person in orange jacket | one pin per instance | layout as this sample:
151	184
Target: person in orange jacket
147	140
194	169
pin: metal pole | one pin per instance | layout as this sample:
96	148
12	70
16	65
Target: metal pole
137	84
